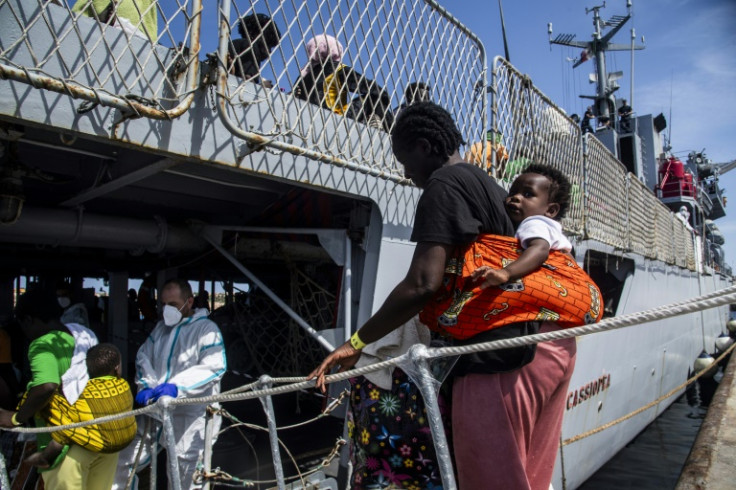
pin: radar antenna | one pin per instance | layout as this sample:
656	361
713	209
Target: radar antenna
596	48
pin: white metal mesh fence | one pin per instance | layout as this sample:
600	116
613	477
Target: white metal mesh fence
343	102
137	55
690	248
142	56
680	243
641	212
529	127
664	236
606	213
663	233
608	204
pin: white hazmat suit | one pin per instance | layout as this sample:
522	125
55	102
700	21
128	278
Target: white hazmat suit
191	355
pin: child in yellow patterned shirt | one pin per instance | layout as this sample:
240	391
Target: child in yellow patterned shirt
106	393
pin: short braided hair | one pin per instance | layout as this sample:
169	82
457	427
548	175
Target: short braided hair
429	121
559	185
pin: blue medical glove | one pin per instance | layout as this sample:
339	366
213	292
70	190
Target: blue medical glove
144	396
167	389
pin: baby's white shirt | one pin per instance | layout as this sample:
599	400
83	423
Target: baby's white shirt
545	228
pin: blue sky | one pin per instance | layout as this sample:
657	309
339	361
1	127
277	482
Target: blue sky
690	56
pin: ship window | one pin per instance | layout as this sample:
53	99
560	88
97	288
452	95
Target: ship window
626	152
609	272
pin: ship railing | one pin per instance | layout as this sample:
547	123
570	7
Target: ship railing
609	220
684	248
418	363
153	73
392	44
640	206
139	56
608	204
531	127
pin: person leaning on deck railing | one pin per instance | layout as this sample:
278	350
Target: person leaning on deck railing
56	356
258	36
413	93
136	17
585	123
493	143
327	82
624	113
506	431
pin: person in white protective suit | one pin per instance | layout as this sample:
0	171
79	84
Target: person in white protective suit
183	357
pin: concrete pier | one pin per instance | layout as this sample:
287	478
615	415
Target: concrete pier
712	459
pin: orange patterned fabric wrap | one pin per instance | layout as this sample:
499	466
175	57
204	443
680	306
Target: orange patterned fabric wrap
559	291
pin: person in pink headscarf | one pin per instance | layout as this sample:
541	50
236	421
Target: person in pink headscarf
326	81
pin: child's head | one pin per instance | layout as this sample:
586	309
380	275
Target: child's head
539	190
104	360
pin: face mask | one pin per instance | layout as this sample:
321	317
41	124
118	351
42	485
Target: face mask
172	316
64	302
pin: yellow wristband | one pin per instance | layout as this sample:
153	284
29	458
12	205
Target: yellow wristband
14	421
356	342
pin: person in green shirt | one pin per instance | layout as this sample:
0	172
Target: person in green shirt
136	17
49	353
50	356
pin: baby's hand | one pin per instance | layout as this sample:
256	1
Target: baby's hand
490	277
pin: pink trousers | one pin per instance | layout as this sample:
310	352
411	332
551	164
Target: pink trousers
506	427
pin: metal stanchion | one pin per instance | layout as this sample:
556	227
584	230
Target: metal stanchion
267	402
4	481
170	442
425	383
209	431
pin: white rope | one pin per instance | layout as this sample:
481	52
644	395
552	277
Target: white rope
100	420
707	301
711	300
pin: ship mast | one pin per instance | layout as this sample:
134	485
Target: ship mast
596	48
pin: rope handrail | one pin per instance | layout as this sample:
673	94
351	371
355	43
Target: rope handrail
707	301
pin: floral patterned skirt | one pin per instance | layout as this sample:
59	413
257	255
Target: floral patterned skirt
391	440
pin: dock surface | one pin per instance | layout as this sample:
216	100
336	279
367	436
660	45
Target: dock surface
712	459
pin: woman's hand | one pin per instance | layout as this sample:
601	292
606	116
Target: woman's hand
6	418
345	355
